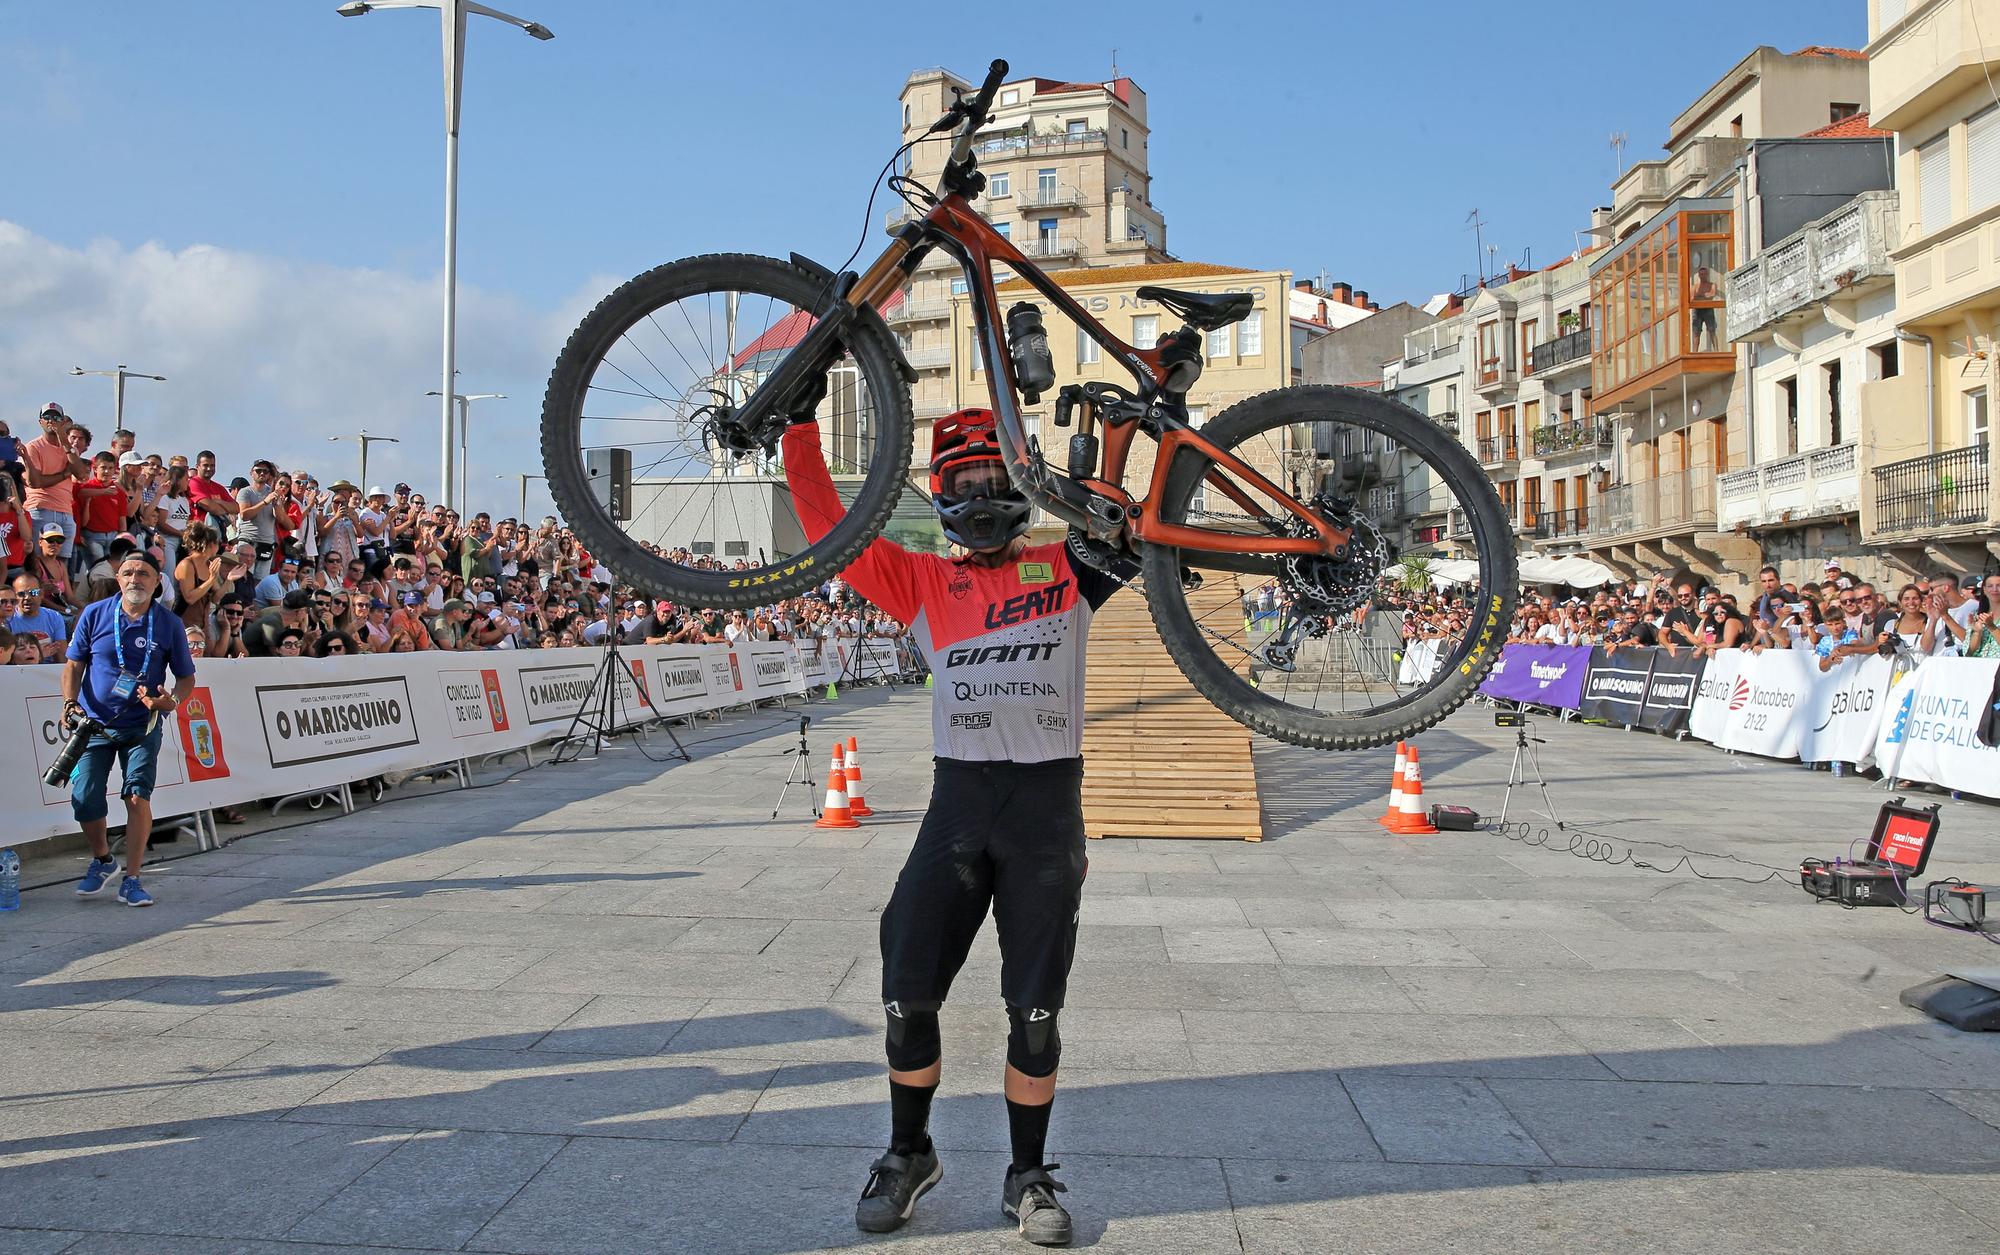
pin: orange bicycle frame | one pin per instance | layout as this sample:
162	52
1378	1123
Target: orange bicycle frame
1101	506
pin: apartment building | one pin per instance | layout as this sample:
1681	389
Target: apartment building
1066	181
1393	485
1813	313
1664	373
1428	377
1928	497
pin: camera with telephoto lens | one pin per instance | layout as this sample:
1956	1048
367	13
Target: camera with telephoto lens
57	776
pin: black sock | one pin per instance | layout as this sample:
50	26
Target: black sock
1028	1127
910	1117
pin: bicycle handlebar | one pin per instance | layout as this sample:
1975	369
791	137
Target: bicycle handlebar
975	113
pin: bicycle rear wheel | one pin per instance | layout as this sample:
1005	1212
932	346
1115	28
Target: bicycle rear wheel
1302	667
656	371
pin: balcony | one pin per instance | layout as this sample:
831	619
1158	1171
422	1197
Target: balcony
893	221
1495	373
1458	525
1060	196
1818	483
1047	246
1843	254
1578	435
1436	341
1447	419
1498	450
1917	498
1564	350
929	359
918	311
1680	501
1061	142
1560	524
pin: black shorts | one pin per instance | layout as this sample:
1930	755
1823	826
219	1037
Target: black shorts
1005	834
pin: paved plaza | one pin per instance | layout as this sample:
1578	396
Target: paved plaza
615	1007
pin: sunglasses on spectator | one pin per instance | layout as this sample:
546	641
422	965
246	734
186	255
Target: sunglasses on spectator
336	647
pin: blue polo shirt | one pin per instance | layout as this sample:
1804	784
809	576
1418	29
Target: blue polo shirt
95	644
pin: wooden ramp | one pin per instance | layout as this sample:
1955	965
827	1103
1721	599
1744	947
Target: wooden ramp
1159	759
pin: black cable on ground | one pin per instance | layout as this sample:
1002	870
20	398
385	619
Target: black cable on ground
1596	847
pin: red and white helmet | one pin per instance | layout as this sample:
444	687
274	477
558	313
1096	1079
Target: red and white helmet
975	517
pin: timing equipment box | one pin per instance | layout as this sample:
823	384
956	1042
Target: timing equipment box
1899	849
1454	818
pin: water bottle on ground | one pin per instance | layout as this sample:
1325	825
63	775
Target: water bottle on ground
10	881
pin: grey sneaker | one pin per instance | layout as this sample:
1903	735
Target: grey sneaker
1029	1197
895	1183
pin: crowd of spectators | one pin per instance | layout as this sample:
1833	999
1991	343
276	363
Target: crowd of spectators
1839	616
279	564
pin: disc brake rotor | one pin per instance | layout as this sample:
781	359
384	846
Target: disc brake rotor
1321	585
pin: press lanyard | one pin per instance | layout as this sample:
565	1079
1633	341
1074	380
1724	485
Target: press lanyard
119	637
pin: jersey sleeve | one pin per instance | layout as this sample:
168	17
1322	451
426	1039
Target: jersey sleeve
885	573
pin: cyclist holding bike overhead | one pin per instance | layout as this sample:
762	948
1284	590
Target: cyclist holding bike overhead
1004	626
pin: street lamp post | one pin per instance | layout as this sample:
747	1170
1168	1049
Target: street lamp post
364	440
465	400
524	477
452	14
118	376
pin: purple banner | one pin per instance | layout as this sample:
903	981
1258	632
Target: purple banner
1547	675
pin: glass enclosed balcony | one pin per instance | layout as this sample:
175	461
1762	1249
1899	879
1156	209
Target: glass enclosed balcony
1661	303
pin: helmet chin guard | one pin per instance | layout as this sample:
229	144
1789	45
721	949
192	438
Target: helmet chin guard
980	520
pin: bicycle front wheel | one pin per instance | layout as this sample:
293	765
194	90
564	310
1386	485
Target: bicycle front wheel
1296	649
650	380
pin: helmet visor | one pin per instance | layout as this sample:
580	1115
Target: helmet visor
975	477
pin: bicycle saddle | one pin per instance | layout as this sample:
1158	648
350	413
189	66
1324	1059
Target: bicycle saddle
1204	311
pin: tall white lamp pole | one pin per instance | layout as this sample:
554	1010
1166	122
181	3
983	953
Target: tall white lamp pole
453	14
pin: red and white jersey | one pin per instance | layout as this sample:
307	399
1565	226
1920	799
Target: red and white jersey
1005	644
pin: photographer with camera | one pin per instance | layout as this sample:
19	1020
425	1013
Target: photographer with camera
113	699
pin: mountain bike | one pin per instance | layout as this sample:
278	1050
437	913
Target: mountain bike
1304	497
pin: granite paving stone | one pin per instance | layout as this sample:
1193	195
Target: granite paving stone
614	1006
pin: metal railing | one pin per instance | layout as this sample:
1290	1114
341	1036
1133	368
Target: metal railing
1061	196
1494	450
1050	246
1676	501
929	359
1068	141
1559	524
1575	435
918	311
1835	254
1561	351
1421	346
1948	489
1458	523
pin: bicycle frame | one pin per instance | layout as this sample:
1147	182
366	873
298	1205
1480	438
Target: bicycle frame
1100	506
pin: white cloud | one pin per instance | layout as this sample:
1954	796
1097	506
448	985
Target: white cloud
266	357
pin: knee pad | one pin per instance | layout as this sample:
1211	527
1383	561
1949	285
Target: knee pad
913	1042
1034	1046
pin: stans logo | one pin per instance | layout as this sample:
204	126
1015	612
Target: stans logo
1739	697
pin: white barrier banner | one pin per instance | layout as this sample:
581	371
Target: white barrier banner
1779	704
1930	726
265	727
1420	658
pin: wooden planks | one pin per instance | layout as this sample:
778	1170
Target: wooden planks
1159	759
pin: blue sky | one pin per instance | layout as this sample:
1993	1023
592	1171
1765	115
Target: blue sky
299	155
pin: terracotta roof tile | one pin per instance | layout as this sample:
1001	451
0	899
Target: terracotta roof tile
1855	127
1156	273
1822	50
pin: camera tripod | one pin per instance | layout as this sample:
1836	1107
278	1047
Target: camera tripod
1526	758
598	715
801	770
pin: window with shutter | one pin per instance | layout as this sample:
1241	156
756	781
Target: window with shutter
1934	183
1982	160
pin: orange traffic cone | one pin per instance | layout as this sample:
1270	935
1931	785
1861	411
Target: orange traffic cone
1396	785
1413	819
855	802
836	814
